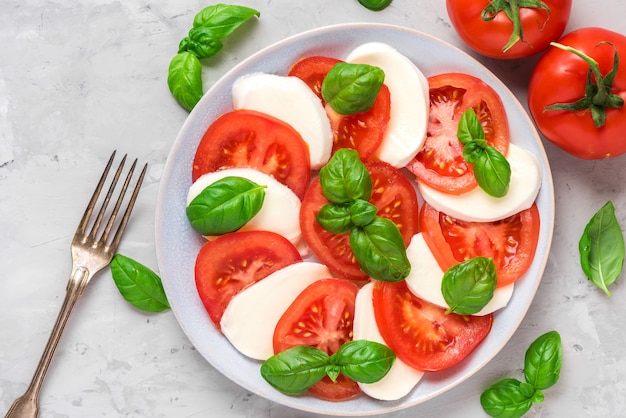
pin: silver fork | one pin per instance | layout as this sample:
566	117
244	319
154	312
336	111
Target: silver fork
91	252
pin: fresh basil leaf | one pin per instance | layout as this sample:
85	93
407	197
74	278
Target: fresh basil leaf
225	206
184	79
336	219
375	5
362	212
344	178
505	399
602	248
468	286
469	128
352	88
364	361
296	369
139	285
379	249
542	363
223	19
201	42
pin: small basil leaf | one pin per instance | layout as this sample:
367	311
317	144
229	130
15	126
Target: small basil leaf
352	88
139	285
602	248
296	369
468	286
344	178
225	206
201	42
375	5
184	79
505	399
542	363
493	172
223	19
469	128
336	219
332	371
379	249
362	212
364	361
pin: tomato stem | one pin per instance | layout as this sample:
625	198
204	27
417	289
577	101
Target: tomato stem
598	96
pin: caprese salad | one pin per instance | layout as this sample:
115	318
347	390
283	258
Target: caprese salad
310	202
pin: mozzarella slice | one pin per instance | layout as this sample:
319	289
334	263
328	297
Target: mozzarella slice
408	87
478	206
401	378
252	314
292	101
281	207
426	277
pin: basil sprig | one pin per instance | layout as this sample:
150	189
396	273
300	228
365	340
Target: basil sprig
210	26
601	248
468	286
512	398
491	168
298	368
376	242
352	88
138	285
375	5
225	205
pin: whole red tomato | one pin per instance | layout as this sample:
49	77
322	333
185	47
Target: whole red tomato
594	126
505	30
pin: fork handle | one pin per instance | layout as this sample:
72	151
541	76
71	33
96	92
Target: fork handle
27	405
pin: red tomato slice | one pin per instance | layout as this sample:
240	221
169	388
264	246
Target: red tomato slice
246	138
393	195
511	242
440	163
420	333
234	261
312	71
321	316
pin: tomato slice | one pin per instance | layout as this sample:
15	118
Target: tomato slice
321	316
312	71
393	195
234	261
420	333
511	242
440	163
246	138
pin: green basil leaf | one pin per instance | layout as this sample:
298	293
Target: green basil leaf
352	88
296	369
379	249
468	286
375	5
139	285
364	361
225	206
542	363
223	19
184	79
344	178
493	172
602	248
201	42
505	399
362	212
336	219
469	128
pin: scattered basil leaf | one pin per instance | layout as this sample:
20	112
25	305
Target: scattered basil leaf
542	364
336	219
491	168
505	399
379	249
201	42
296	369
362	212
345	178
184	79
139	285
225	206
468	286
352	88
364	361
601	248
223	19
375	5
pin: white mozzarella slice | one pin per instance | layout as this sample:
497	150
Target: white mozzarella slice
280	212
408	88
478	206
292	101
401	378
251	316
426	277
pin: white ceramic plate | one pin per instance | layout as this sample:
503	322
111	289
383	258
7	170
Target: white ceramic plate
178	244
